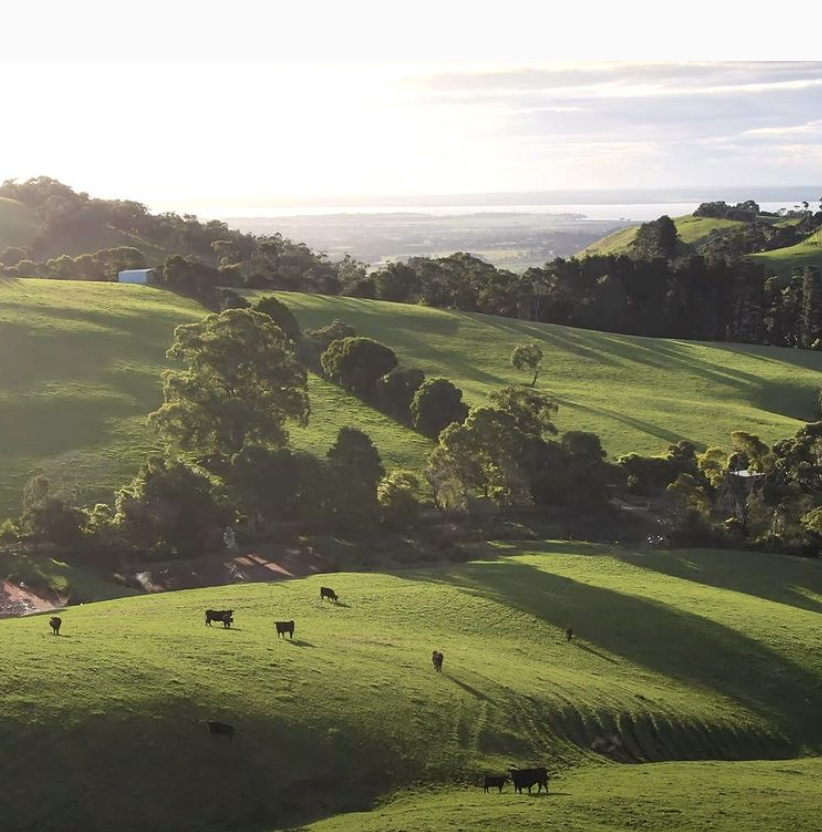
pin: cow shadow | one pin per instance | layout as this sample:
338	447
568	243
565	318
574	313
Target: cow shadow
468	688
298	642
596	653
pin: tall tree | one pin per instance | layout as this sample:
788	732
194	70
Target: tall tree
240	384
356	470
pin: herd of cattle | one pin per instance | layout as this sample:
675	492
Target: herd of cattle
525	778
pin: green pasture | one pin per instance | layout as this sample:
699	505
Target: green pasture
666	797
783	261
638	394
83	361
692	230
690	655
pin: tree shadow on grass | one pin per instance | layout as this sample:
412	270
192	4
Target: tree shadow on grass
678	645
780	578
784	579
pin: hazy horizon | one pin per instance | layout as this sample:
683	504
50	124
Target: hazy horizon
192	134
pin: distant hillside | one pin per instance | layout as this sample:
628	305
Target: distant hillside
692	230
783	261
50	219
696	230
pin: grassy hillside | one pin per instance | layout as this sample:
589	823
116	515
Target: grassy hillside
692	230
676	797
81	373
87	361
82	370
685	656
638	393
18	225
783	261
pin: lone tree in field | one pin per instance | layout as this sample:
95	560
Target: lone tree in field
528	356
240	384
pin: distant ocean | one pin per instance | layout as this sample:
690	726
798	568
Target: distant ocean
638	212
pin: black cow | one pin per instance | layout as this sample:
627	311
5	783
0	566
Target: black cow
284	627
569	633
492	781
220	728
436	658
55	624
525	778
327	592
226	616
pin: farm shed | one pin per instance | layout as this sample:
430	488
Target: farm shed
143	276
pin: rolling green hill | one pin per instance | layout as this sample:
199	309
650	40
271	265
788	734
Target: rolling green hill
688	655
692	230
676	797
87	359
638	393
782	261
82	371
18	225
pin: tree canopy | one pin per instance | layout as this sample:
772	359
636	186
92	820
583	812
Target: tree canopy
240	384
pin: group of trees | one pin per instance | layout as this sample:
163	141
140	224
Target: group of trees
102	265
224	422
506	452
747	494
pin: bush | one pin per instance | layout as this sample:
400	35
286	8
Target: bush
171	508
436	404
49	515
397	496
396	390
357	363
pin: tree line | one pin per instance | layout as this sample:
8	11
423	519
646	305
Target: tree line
661	288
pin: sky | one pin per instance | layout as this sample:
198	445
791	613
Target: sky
185	134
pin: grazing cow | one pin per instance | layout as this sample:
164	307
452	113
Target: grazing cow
220	728
436	658
327	592
284	627
527	777
492	781
226	616
55	623
569	633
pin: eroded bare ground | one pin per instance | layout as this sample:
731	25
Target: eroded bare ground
16	599
261	564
